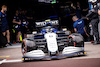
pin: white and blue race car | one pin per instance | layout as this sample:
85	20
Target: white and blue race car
50	43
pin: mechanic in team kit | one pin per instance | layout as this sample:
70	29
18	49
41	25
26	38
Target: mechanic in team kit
79	26
24	27
4	24
17	25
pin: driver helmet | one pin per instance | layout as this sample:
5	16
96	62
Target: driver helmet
48	24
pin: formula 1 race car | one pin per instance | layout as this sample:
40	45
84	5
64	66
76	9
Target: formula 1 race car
50	43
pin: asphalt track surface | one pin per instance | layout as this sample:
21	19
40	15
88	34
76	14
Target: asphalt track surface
13	53
57	63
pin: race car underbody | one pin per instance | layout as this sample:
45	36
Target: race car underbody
52	44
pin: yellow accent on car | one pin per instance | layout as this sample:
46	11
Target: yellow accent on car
22	58
47	20
84	52
58	31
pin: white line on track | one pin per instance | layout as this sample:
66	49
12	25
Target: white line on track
2	61
9	61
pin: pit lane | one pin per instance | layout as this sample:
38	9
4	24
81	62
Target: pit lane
11	56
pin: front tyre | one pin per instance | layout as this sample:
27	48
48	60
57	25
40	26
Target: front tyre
23	48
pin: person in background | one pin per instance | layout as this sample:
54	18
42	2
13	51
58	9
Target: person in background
93	16
78	9
24	24
31	18
17	24
99	8
4	24
79	26
24	28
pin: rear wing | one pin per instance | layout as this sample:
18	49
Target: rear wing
43	24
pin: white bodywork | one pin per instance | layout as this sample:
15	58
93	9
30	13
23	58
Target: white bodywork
51	39
66	50
69	50
51	42
35	53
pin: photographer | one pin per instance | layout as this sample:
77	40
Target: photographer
93	16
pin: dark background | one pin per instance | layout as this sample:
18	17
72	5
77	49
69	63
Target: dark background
41	10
